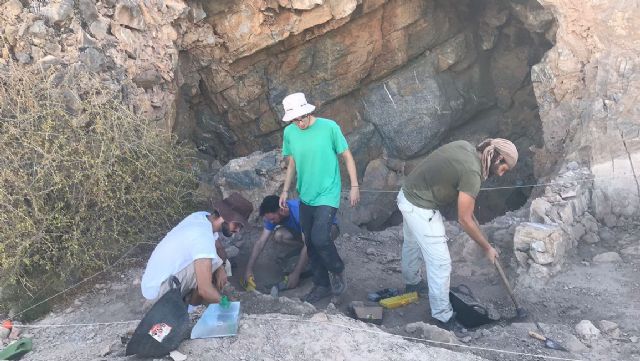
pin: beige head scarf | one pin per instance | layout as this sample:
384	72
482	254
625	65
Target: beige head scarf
505	148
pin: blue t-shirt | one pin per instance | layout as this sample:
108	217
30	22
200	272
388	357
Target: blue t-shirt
293	221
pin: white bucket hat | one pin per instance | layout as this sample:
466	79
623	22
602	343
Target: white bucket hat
295	105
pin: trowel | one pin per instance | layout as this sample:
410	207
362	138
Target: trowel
548	343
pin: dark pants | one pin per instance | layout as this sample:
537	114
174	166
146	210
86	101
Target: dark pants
316	222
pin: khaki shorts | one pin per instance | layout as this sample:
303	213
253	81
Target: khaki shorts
187	278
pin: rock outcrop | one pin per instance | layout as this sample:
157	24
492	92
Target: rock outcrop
399	76
586	86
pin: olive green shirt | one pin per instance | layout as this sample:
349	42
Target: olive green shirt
436	181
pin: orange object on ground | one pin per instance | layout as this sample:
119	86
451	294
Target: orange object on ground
7	324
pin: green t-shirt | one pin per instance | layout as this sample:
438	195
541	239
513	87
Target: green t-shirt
436	181
315	151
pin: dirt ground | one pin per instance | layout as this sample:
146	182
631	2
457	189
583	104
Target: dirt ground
582	290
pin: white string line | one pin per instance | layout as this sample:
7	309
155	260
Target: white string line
381	333
515	186
377	332
19	326
81	282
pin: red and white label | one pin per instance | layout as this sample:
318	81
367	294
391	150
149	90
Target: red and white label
159	331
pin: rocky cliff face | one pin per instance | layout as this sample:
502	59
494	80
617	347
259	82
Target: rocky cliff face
587	87
400	76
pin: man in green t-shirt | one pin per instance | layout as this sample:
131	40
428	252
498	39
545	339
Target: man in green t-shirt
312	145
452	173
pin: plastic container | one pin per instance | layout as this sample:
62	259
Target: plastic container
218	321
399	301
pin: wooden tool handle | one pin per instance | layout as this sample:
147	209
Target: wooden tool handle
537	336
506	283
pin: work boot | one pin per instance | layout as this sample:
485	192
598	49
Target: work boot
451	325
420	287
338	283
317	293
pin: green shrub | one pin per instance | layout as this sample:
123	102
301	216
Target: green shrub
82	179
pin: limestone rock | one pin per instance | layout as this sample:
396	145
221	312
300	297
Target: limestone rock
300	4
255	176
573	344
544	244
609	328
319	317
587	331
538	210
48	61
538	271
376	208
128	13
607	257
535	17
88	10
23	58
38	29
58	11
147	79
93	58
12	8
99	28
431	332
632	251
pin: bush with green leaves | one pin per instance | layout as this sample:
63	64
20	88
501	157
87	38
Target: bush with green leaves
82	180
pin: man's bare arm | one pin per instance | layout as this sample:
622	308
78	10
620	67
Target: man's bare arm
206	290
255	252
294	277
354	193
291	169
466	204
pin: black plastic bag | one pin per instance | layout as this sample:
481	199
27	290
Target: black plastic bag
468	311
164	327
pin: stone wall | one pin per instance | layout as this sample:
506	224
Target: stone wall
558	220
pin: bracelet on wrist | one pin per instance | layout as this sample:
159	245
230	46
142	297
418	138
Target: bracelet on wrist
355	186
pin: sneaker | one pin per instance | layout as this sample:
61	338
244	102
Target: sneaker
420	287
338	283
317	293
451	325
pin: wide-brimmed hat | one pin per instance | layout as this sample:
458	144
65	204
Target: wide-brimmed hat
234	208
295	105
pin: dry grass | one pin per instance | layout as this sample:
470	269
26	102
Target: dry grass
81	179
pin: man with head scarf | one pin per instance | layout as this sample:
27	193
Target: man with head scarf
452	173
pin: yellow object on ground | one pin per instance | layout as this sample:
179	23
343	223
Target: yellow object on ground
399	301
249	285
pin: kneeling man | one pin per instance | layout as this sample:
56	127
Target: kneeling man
283	226
192	252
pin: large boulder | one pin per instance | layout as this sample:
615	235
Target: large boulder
254	176
415	107
377	196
